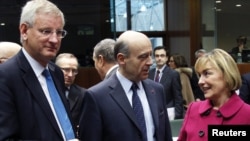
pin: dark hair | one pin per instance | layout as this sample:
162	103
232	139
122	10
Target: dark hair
161	47
241	39
179	60
121	47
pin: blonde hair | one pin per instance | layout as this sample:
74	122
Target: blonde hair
222	61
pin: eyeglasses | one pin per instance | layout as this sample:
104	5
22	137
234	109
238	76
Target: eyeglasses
49	32
68	70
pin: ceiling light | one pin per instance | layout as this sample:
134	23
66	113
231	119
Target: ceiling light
238	5
143	8
125	15
218	1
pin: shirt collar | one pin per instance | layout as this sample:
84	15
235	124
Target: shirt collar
227	110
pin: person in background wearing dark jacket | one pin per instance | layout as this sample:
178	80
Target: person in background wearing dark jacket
198	94
103	56
74	93
170	80
241	45
244	91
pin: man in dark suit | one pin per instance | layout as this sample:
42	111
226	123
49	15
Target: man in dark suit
74	93
108	113
170	79
103	56
244	91
26	105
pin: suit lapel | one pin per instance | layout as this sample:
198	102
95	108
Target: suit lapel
73	97
119	96
33	85
164	74
152	101
152	74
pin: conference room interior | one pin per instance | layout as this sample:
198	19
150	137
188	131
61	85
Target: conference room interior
183	26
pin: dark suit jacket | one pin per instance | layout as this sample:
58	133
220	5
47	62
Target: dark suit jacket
24	109
75	97
245	88
171	82
195	87
108	115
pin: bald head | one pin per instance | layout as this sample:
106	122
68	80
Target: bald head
133	37
133	52
8	50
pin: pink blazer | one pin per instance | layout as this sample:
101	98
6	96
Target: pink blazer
201	114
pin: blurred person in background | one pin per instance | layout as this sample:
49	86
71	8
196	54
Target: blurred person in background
178	62
241	45
170	79
104	60
74	93
8	50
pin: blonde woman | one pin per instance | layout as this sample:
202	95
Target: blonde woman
219	77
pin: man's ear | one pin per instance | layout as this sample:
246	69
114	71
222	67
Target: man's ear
120	58
23	31
101	60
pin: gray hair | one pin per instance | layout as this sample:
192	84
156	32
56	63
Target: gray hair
35	7
105	48
65	55
122	47
203	51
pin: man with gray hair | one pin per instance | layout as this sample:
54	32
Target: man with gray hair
199	53
33	105
74	93
8	50
103	56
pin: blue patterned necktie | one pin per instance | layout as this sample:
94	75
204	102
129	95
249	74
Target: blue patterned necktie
59	107
138	109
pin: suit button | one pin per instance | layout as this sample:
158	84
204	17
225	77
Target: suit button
201	133
219	114
207	113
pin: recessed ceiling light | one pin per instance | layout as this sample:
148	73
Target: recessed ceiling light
238	5
143	8
218	1
2	24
